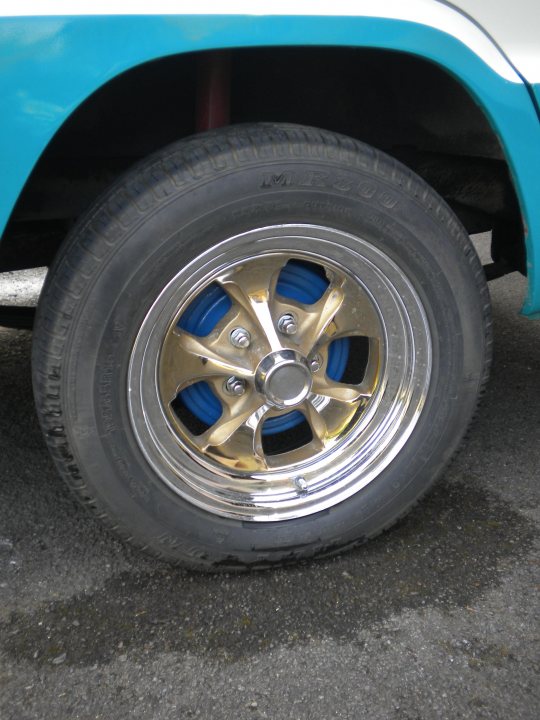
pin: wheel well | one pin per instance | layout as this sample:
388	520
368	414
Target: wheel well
402	104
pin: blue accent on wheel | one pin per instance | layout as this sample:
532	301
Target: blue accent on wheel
202	402
297	281
276	425
338	355
204	313
200	318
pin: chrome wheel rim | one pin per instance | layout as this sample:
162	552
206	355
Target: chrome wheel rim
204	405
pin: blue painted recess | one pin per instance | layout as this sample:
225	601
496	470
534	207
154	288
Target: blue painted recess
297	281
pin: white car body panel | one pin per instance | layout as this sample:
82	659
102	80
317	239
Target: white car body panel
515	27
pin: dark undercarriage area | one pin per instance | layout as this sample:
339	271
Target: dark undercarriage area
404	105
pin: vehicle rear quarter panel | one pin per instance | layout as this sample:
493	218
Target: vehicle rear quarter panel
49	65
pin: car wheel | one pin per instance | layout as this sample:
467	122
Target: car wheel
264	343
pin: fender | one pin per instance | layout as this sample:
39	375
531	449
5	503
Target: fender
51	64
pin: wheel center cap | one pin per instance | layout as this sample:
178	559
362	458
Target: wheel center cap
284	377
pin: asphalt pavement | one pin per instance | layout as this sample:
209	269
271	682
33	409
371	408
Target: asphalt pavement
437	619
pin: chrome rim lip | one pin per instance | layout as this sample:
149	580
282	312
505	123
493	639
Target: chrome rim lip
353	460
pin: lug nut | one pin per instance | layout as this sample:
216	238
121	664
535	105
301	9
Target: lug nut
287	324
234	386
315	363
240	338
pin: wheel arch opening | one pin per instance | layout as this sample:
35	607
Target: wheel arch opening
405	105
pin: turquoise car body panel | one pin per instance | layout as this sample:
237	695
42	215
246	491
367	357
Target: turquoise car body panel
48	66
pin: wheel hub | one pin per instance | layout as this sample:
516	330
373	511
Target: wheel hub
284	378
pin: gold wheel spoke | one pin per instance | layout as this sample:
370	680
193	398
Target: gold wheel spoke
316	422
235	414
340	392
236	436
252	288
356	315
314	319
187	359
342	311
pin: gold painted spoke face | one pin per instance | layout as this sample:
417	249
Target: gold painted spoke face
272	362
279	372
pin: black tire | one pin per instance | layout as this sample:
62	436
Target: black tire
160	218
